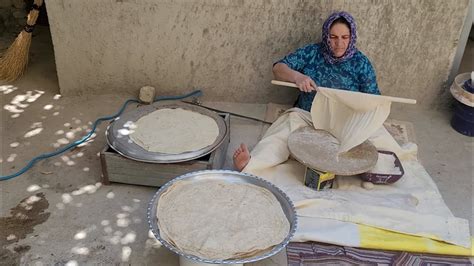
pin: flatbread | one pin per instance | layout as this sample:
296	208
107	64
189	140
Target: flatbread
219	220
174	131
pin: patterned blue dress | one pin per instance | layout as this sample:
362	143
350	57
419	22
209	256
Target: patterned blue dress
354	74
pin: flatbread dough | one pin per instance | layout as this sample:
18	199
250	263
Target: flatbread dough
350	117
174	131
386	165
213	219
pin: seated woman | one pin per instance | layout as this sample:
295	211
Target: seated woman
335	62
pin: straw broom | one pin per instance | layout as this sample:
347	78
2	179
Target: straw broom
14	61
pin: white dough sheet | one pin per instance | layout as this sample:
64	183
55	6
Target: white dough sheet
350	117
411	207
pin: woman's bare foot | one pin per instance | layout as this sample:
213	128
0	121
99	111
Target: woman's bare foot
241	157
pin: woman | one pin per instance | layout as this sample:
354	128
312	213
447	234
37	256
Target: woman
335	62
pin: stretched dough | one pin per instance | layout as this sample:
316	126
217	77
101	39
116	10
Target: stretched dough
213	219
350	117
174	131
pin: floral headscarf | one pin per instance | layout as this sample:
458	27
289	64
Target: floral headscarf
351	49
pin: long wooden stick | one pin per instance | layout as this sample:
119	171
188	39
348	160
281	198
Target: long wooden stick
390	98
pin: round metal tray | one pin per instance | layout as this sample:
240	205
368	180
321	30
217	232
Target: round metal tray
122	143
318	149
231	177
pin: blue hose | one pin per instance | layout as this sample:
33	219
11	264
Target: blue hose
195	93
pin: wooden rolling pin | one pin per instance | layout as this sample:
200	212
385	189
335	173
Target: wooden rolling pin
390	98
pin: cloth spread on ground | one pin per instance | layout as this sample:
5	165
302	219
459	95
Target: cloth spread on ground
312	253
349	116
348	215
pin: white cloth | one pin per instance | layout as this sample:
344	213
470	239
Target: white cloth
413	205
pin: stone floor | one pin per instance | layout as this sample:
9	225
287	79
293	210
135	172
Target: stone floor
74	219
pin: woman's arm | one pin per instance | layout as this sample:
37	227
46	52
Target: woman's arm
367	77
284	73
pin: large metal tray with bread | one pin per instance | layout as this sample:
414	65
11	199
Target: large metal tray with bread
123	144
232	177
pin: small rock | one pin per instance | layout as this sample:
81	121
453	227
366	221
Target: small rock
367	185
147	94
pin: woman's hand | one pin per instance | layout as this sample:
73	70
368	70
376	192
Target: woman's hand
282	72
305	83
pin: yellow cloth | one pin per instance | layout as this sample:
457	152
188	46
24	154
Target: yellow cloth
375	238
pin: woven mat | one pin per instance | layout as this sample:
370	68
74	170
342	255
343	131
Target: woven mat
312	253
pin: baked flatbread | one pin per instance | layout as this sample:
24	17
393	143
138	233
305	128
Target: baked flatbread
213	219
174	131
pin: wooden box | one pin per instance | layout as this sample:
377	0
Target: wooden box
116	168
